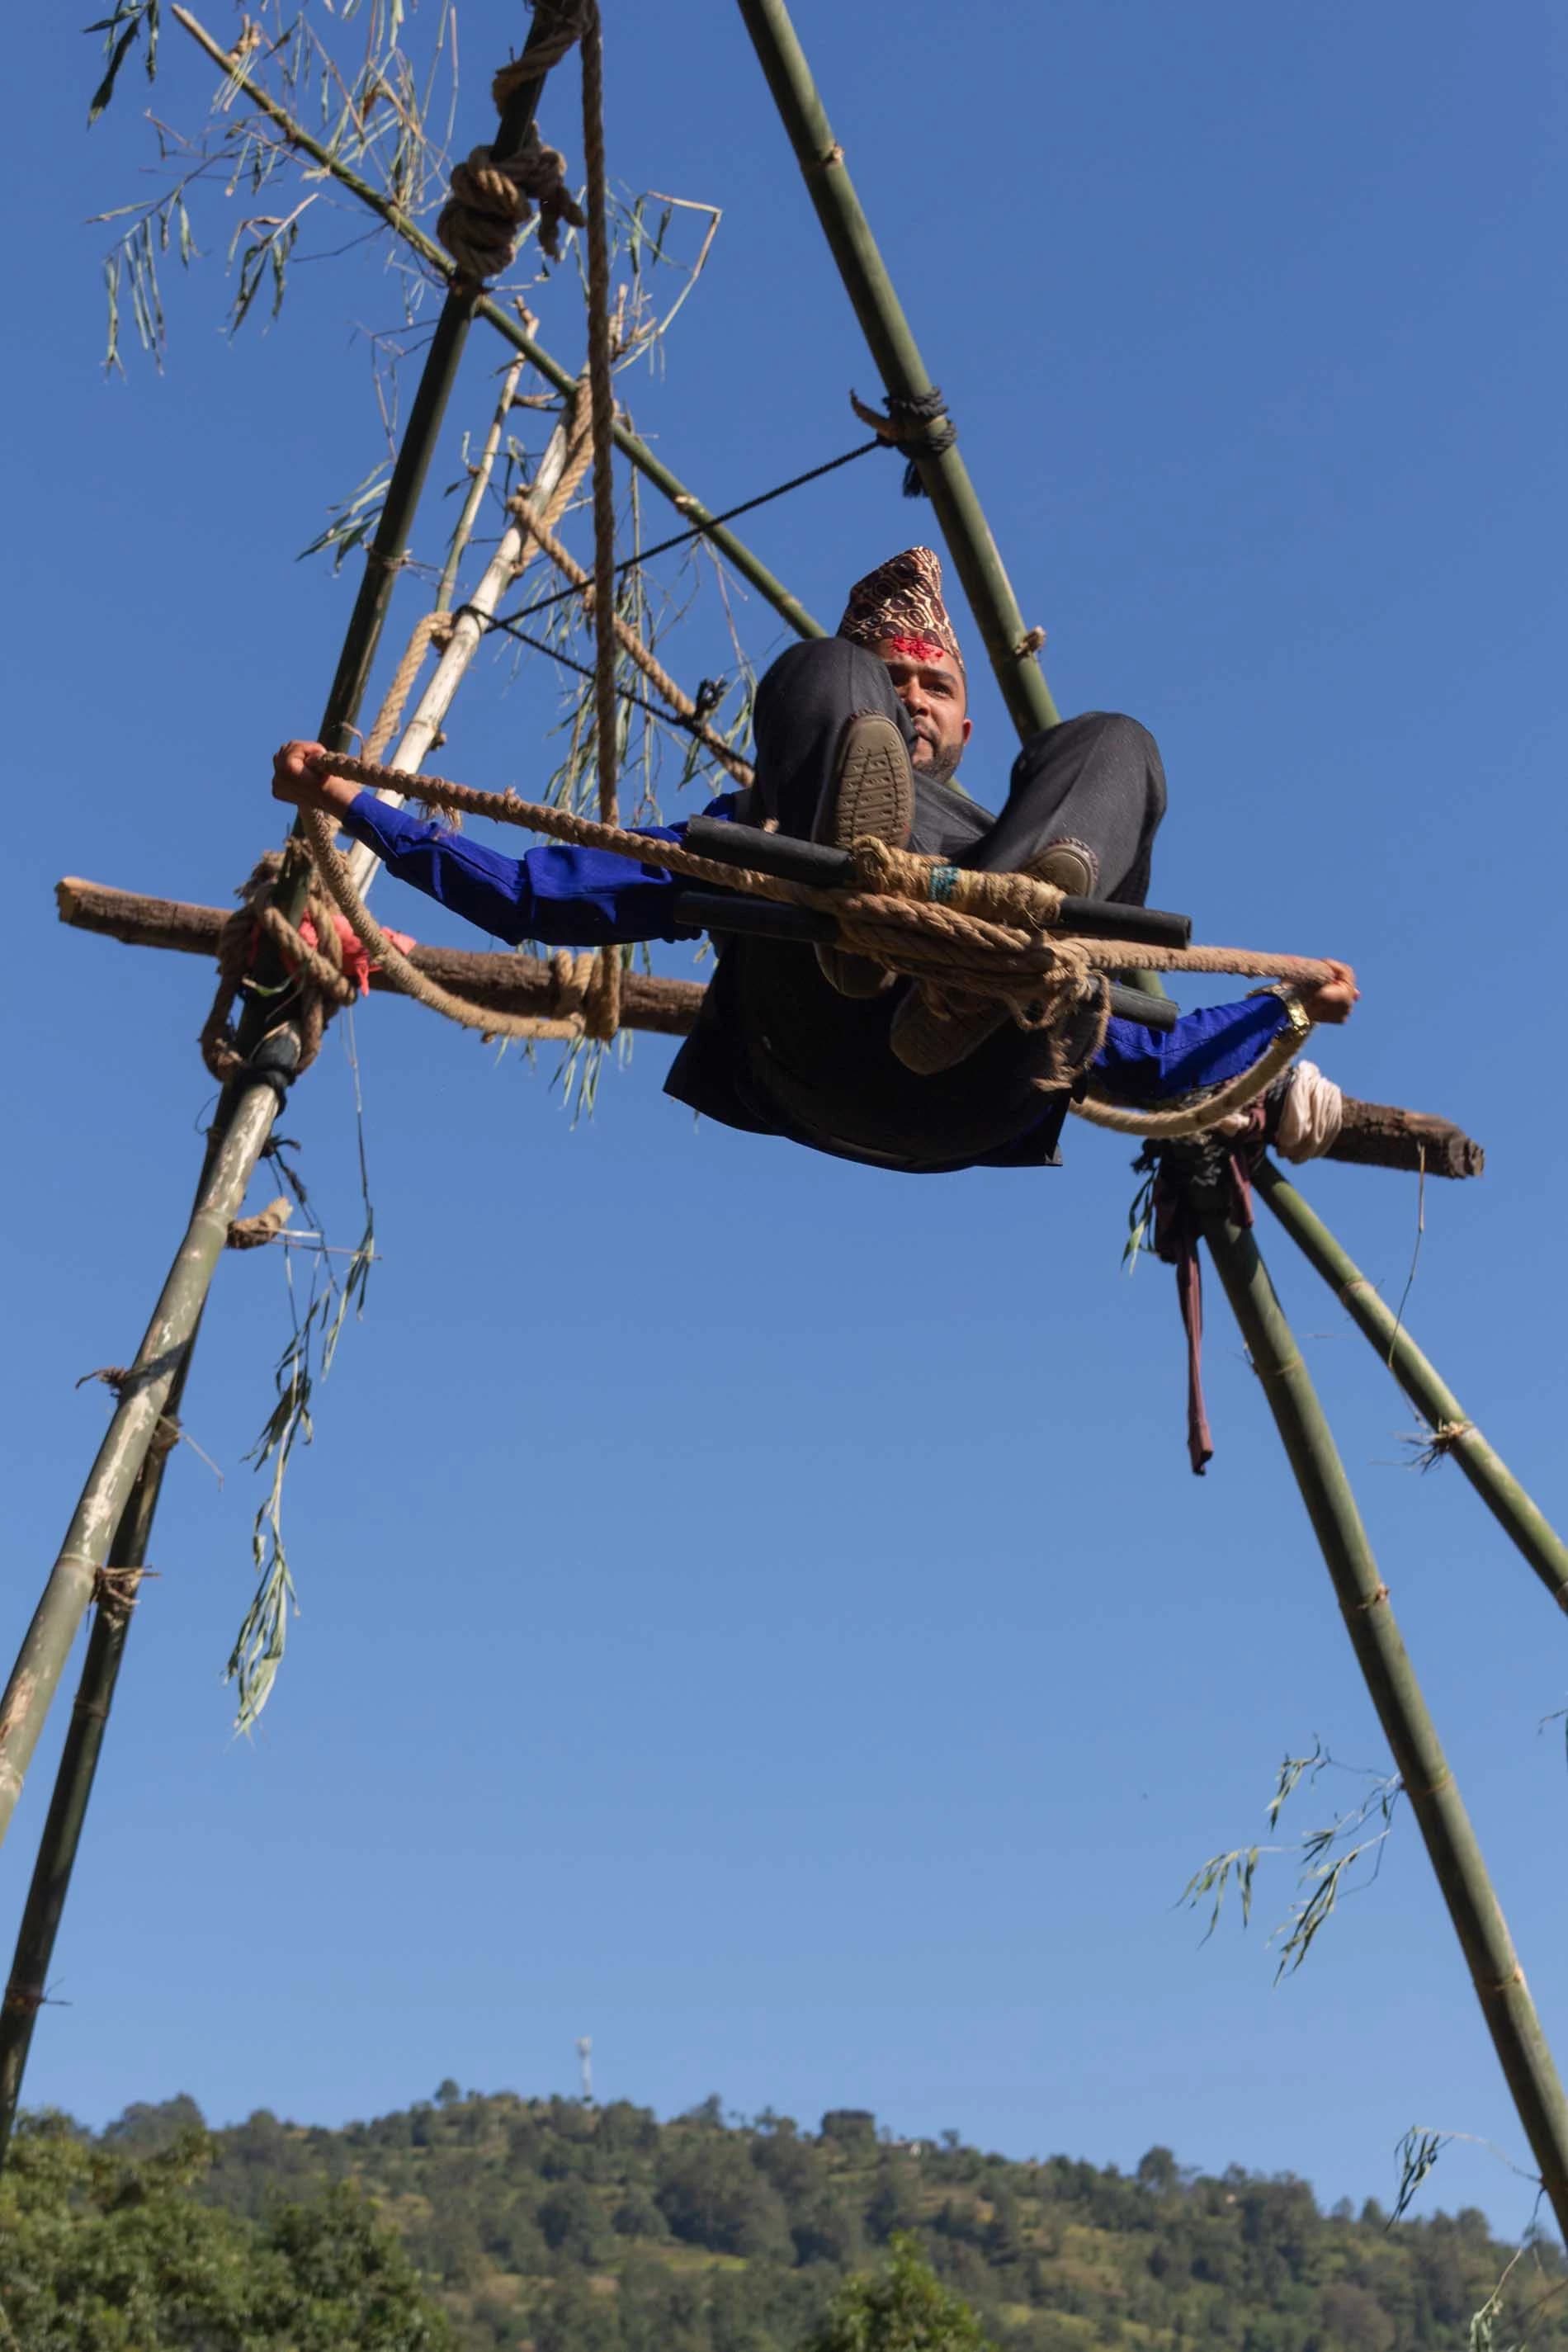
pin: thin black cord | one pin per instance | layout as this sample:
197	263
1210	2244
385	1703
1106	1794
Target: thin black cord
692	727
680	539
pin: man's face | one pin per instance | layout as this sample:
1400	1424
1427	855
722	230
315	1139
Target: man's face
929	685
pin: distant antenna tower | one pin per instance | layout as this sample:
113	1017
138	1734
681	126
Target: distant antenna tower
585	2059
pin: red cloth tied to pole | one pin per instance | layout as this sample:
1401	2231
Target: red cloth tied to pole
1177	1236
357	964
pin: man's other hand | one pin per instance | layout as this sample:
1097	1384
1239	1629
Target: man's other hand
297	778
1333	1001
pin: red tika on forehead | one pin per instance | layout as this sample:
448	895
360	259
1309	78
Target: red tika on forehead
917	648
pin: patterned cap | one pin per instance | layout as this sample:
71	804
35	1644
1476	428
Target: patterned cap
901	604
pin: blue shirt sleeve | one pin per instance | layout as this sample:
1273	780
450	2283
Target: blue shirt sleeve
563	898
1204	1049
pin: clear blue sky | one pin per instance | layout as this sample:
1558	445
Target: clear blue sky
756	1611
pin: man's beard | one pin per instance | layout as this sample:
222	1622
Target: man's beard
933	763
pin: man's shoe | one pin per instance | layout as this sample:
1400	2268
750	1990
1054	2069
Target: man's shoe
928	1042
871	791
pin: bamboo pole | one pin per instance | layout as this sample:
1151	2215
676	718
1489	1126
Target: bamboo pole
248	1105
734	551
28	1986
79	1763
479	477
897	355
1520	1518
141	1405
1427	1780
514	551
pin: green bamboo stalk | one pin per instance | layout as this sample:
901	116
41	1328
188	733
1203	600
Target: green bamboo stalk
1520	1518
1428	1782
734	551
29	1983
142	1403
897	355
95	1695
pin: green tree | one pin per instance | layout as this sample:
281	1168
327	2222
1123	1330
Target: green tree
105	2252
902	2308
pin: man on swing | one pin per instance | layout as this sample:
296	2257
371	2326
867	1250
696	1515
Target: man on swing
862	734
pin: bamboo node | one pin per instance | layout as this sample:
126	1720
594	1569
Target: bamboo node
1029	642
1373	1601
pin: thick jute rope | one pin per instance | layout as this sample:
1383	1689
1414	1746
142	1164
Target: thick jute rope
918	916
493	196
557	24
602	1015
431	627
321	986
1195	1117
668	689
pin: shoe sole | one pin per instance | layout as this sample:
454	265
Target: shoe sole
928	1045
872	793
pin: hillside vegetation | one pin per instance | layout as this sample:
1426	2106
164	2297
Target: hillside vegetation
570	2227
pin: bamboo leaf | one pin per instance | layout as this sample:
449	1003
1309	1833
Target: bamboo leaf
111	358
1418	2151
120	31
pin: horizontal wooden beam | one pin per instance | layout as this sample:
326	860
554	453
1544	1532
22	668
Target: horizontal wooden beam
1374	1135
505	982
1377	1135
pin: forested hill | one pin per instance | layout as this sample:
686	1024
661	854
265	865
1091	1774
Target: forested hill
570	2227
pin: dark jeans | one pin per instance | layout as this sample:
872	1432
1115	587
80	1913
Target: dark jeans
1094	781
777	1049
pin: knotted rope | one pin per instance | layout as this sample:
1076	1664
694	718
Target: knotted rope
493	196
320	984
983	933
917	424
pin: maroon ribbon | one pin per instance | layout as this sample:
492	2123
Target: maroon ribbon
1177	1237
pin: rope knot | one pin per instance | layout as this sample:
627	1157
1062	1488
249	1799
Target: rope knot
493	197
917	424
571	977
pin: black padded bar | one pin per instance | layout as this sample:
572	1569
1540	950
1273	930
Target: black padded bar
756	918
779	854
1111	919
1134	1004
823	867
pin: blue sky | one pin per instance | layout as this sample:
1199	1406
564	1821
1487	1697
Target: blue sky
756	1611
